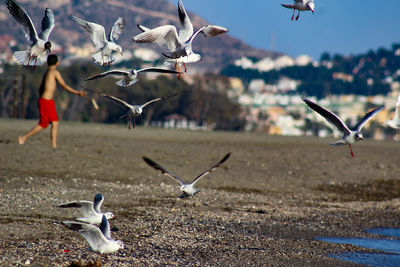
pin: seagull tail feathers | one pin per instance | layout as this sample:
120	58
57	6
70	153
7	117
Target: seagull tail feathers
338	143
23	58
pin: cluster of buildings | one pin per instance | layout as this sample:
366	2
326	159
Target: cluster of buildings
278	109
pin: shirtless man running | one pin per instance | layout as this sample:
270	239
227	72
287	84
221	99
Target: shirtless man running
47	108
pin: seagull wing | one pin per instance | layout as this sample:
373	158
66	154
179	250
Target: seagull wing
117	29
157	99
158	70
85	206
91	233
211	169
329	116
48	23
108	73
118	101
186	29
96	31
163	170
24	20
366	118
209	31
161	35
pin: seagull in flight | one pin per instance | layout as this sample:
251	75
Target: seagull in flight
179	44
39	44
129	77
90	210
99	239
104	46
133	111
301	5
395	122
179	62
348	136
186	189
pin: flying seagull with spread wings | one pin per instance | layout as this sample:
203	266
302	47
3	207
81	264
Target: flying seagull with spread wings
129	77
348	136
301	5
99	239
186	188
179	44
90	210
133	111
39	43
103	45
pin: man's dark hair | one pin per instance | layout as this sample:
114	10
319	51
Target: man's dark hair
52	59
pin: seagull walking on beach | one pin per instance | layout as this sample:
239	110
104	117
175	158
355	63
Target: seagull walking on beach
348	136
90	210
129	77
39	43
301	5
103	45
99	239
395	122
133	111
186	189
179	44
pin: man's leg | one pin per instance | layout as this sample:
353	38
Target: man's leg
33	131
53	133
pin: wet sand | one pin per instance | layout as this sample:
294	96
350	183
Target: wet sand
263	207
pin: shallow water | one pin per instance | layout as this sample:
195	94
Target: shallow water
389	247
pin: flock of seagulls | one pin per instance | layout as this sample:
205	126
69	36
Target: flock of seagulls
179	53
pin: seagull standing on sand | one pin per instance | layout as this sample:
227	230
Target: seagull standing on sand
39	43
179	45
99	239
186	189
104	46
130	77
348	136
90	210
133	111
301	5
395	122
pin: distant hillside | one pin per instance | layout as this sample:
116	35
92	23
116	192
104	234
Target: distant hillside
217	52
372	73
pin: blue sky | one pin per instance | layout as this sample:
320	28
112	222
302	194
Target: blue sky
338	26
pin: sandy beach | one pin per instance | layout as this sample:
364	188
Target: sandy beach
263	207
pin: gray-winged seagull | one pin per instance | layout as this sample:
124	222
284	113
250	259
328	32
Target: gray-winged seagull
301	5
186	189
348	136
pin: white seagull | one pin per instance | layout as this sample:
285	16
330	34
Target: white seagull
186	189
178	62
99	239
104	46
348	136
133	111
129	77
90	210
395	122
179	45
301	5
39	44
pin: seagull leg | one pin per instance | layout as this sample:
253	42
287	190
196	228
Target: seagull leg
129	123
294	10
184	65
298	15
351	151
133	123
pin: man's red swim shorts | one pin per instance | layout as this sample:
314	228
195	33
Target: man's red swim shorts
47	111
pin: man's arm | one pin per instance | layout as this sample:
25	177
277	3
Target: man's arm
65	86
